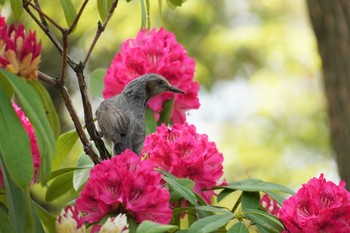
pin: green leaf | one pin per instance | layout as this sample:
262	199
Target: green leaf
80	176
62	171
210	224
7	87
166	113
17	8
264	220
255	185
49	107
69	11
18	202
2	2
250	200
15	146
5	226
172	4
151	124
152	227
103	8
37	221
239	227
212	209
183	191
96	84
47	218
278	198
223	194
64	146
32	106
59	186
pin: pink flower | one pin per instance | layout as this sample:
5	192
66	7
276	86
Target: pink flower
70	220
319	206
184	153
125	184
19	50
270	205
34	146
156	52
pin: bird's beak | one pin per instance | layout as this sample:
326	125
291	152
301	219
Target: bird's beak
175	89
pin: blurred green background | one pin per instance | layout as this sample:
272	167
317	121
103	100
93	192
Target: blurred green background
261	96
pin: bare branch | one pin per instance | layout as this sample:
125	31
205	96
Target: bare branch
42	14
79	128
100	29
45	27
75	22
46	78
64	57
89	121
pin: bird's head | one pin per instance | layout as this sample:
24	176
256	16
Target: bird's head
156	84
150	85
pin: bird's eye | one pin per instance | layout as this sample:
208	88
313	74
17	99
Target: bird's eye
159	82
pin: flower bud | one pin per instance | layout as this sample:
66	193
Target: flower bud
116	224
70	221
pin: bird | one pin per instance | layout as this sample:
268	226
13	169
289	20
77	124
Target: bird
121	118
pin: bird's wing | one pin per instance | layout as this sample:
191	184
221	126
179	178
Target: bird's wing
112	122
138	138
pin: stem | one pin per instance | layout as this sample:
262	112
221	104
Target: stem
42	14
143	14
49	80
166	113
75	22
42	23
148	17
100	29
79	128
89	120
64	57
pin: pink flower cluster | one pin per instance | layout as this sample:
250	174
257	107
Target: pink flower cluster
319	206
156	52
125	184
34	146
181	151
19	51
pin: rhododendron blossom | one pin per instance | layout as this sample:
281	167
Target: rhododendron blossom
270	205
157	52
19	50
181	151
125	184
70	220
319	206
34	146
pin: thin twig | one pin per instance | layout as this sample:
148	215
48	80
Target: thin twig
89	121
45	27
42	14
100	29
72	26
46	78
64	56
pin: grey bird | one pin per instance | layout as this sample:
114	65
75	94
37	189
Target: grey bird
121	118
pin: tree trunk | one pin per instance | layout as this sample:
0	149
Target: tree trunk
331	24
